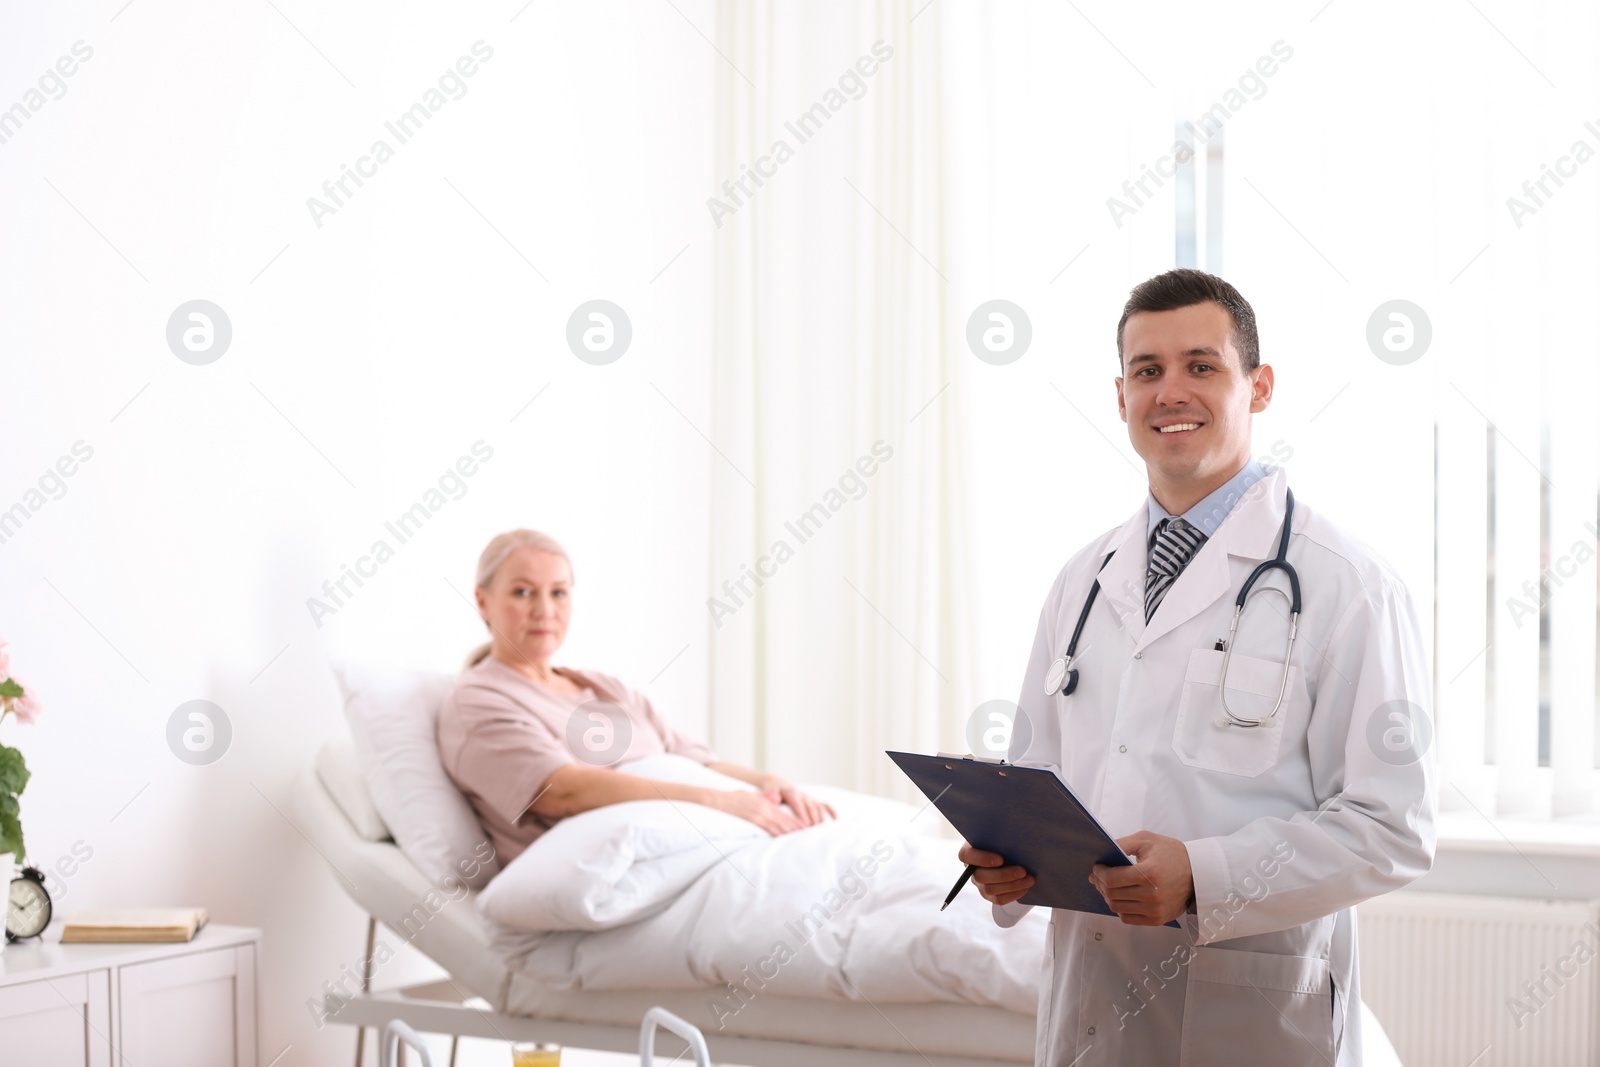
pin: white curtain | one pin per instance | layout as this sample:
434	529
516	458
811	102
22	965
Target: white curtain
836	480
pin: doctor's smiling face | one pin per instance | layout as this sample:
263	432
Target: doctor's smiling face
1187	391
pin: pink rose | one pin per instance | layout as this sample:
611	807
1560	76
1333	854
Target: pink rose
27	708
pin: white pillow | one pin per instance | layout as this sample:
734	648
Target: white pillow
626	862
612	865
393	717
670	767
847	803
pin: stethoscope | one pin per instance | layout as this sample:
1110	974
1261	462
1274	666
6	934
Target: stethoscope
1062	676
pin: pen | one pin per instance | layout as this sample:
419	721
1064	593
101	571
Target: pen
959	883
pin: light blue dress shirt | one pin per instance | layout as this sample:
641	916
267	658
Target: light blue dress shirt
1207	515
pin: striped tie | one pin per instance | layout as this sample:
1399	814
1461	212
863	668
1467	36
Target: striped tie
1175	544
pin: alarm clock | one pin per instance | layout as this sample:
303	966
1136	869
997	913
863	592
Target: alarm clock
27	905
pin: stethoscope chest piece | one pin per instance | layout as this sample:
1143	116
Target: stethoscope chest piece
1062	676
1058	674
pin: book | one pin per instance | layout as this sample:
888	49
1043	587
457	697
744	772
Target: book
129	925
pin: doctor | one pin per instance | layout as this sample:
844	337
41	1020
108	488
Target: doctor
1258	823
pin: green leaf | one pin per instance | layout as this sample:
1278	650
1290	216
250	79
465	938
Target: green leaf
13	771
11	836
10	688
13	778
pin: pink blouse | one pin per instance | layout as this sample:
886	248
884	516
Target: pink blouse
502	734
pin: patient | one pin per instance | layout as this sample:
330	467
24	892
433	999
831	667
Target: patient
506	732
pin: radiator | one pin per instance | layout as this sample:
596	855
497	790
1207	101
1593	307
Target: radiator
1467	981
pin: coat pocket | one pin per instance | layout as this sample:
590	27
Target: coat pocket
1200	739
1257	1007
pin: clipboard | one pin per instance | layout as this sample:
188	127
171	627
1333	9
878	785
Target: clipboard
1029	816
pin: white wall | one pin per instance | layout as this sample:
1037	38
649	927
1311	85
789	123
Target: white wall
365	359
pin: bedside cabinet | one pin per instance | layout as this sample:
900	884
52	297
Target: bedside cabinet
188	1005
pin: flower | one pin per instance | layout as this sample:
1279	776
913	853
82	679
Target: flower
27	708
5	662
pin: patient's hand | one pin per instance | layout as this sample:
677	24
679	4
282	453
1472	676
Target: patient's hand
998	883
809	811
777	789
757	808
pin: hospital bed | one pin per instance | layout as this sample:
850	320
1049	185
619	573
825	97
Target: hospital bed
481	997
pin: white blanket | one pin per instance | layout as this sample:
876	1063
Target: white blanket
664	895
655	895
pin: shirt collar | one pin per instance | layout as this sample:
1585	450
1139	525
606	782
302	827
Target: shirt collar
1208	514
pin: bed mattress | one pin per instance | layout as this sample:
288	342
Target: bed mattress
947	1029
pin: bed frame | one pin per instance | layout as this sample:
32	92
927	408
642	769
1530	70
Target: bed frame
339	820
436	1007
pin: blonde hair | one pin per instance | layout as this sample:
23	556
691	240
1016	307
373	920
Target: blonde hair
495	554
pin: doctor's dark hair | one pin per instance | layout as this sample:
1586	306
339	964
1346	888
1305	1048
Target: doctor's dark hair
1185	287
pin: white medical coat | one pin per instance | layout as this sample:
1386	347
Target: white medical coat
1287	827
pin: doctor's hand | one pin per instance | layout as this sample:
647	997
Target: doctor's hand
998	883
1155	889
